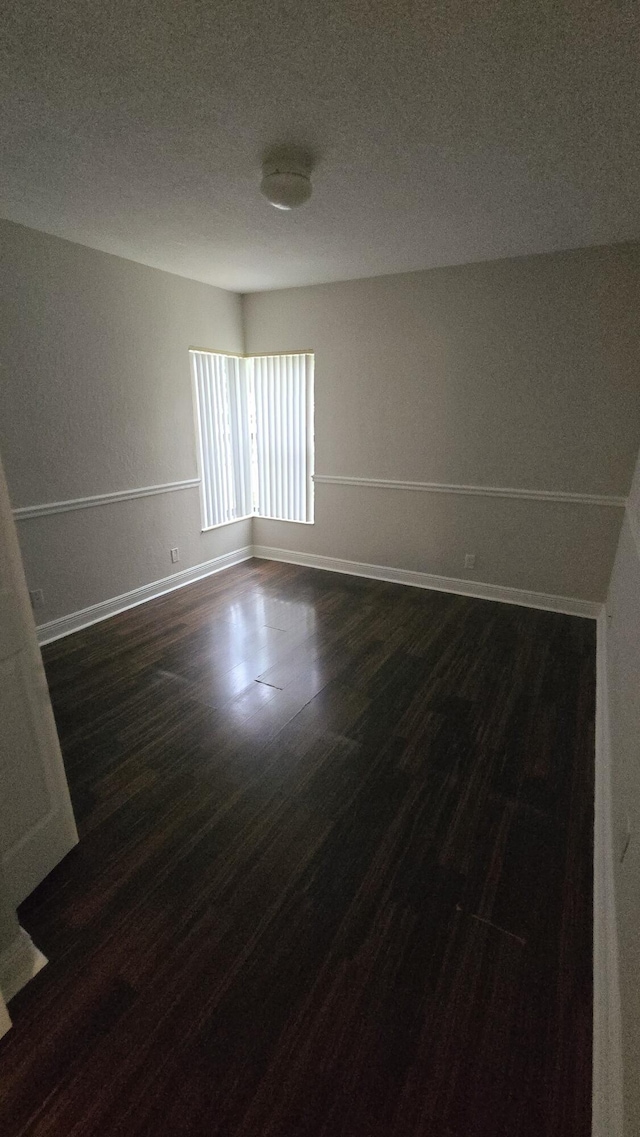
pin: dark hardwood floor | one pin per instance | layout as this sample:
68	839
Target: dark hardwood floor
335	870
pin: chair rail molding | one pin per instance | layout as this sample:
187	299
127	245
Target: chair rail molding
44	509
610	500
26	512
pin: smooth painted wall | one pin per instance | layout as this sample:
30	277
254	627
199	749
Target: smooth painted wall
521	373
623	673
95	397
9	927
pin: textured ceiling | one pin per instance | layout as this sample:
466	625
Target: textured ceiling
444	132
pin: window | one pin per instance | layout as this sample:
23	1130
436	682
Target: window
255	436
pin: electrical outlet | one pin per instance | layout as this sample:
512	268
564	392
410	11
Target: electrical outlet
175	555
36	596
470	560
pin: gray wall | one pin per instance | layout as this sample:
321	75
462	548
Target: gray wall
95	397
9	927
623	668
521	373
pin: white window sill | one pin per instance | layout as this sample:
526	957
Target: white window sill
250	517
221	524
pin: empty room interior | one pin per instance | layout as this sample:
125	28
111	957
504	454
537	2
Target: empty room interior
320	569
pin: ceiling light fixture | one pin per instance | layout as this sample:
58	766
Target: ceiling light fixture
286	177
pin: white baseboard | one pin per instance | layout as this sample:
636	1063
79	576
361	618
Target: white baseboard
19	962
83	618
65	625
607	1103
566	604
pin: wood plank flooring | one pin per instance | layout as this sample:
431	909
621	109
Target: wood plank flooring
335	870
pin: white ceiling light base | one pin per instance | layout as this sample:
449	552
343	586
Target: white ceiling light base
286	178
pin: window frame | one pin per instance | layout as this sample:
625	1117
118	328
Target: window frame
310	436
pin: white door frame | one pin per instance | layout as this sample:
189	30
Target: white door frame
38	824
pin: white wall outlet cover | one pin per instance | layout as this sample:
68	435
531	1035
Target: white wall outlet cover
470	560
36	596
175	555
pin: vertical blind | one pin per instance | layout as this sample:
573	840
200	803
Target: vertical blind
283	394
224	437
255	436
